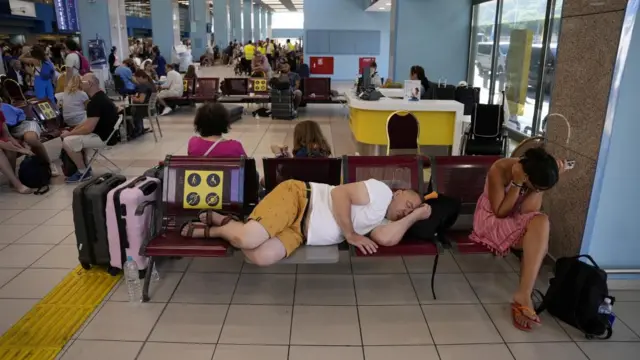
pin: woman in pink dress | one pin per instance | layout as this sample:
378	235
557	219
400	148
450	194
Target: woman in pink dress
508	215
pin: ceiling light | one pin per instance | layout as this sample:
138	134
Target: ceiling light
382	8
388	4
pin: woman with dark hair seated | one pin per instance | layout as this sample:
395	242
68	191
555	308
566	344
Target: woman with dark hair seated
508	215
417	73
211	123
144	88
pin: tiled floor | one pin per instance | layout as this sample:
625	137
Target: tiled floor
223	309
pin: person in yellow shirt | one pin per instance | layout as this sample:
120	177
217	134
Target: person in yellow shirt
262	48
290	46
249	52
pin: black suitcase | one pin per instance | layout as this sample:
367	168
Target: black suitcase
158	173
89	218
469	97
282	104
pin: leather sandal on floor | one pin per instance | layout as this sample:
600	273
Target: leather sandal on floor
209	218
191	226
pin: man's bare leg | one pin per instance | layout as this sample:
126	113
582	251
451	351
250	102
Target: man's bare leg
242	236
269	253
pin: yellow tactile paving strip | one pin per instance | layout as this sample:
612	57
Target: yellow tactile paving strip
45	329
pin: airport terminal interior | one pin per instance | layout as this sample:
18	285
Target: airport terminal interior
410	113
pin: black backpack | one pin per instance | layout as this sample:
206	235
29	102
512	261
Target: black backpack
68	166
35	173
575	294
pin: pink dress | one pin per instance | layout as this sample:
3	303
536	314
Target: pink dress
499	234
227	148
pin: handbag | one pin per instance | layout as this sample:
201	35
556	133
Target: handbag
444	91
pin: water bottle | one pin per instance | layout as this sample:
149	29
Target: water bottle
154	273
132	278
123	133
606	308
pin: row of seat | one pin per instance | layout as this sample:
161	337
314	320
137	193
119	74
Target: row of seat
249	90
461	177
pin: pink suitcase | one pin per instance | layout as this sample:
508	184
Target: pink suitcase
129	212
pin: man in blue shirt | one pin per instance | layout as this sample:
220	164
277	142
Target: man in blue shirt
159	62
126	74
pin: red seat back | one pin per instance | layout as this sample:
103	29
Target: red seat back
462	177
318	170
399	172
192	184
236	86
320	87
207	87
403	131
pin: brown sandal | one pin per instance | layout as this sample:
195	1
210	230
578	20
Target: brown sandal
209	218
191	226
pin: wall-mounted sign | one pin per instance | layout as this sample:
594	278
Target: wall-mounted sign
67	15
22	8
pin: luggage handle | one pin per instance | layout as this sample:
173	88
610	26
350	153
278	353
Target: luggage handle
593	262
136	181
142	206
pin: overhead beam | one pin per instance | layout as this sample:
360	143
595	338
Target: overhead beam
289	5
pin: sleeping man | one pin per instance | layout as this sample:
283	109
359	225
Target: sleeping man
366	214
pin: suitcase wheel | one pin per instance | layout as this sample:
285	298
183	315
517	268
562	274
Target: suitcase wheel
85	265
113	271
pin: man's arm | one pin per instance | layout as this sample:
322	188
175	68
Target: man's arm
85	128
342	197
390	234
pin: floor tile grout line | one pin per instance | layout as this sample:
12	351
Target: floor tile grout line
424	316
355	293
235	287
352	346
293	309
164	308
485	310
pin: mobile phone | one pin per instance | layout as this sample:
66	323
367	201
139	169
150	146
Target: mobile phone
569	164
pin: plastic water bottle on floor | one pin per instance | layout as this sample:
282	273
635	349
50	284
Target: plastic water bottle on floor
155	276
132	277
606	308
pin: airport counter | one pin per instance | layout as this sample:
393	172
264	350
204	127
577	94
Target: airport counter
441	123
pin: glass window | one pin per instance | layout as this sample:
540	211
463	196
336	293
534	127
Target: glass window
521	38
550	63
481	51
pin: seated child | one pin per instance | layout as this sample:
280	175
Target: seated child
308	141
211	122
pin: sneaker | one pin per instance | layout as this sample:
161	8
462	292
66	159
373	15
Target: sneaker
167	110
75	178
54	170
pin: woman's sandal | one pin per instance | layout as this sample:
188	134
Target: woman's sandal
191	226
209	218
524	312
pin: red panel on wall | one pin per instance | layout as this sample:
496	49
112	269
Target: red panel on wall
321	65
364	62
